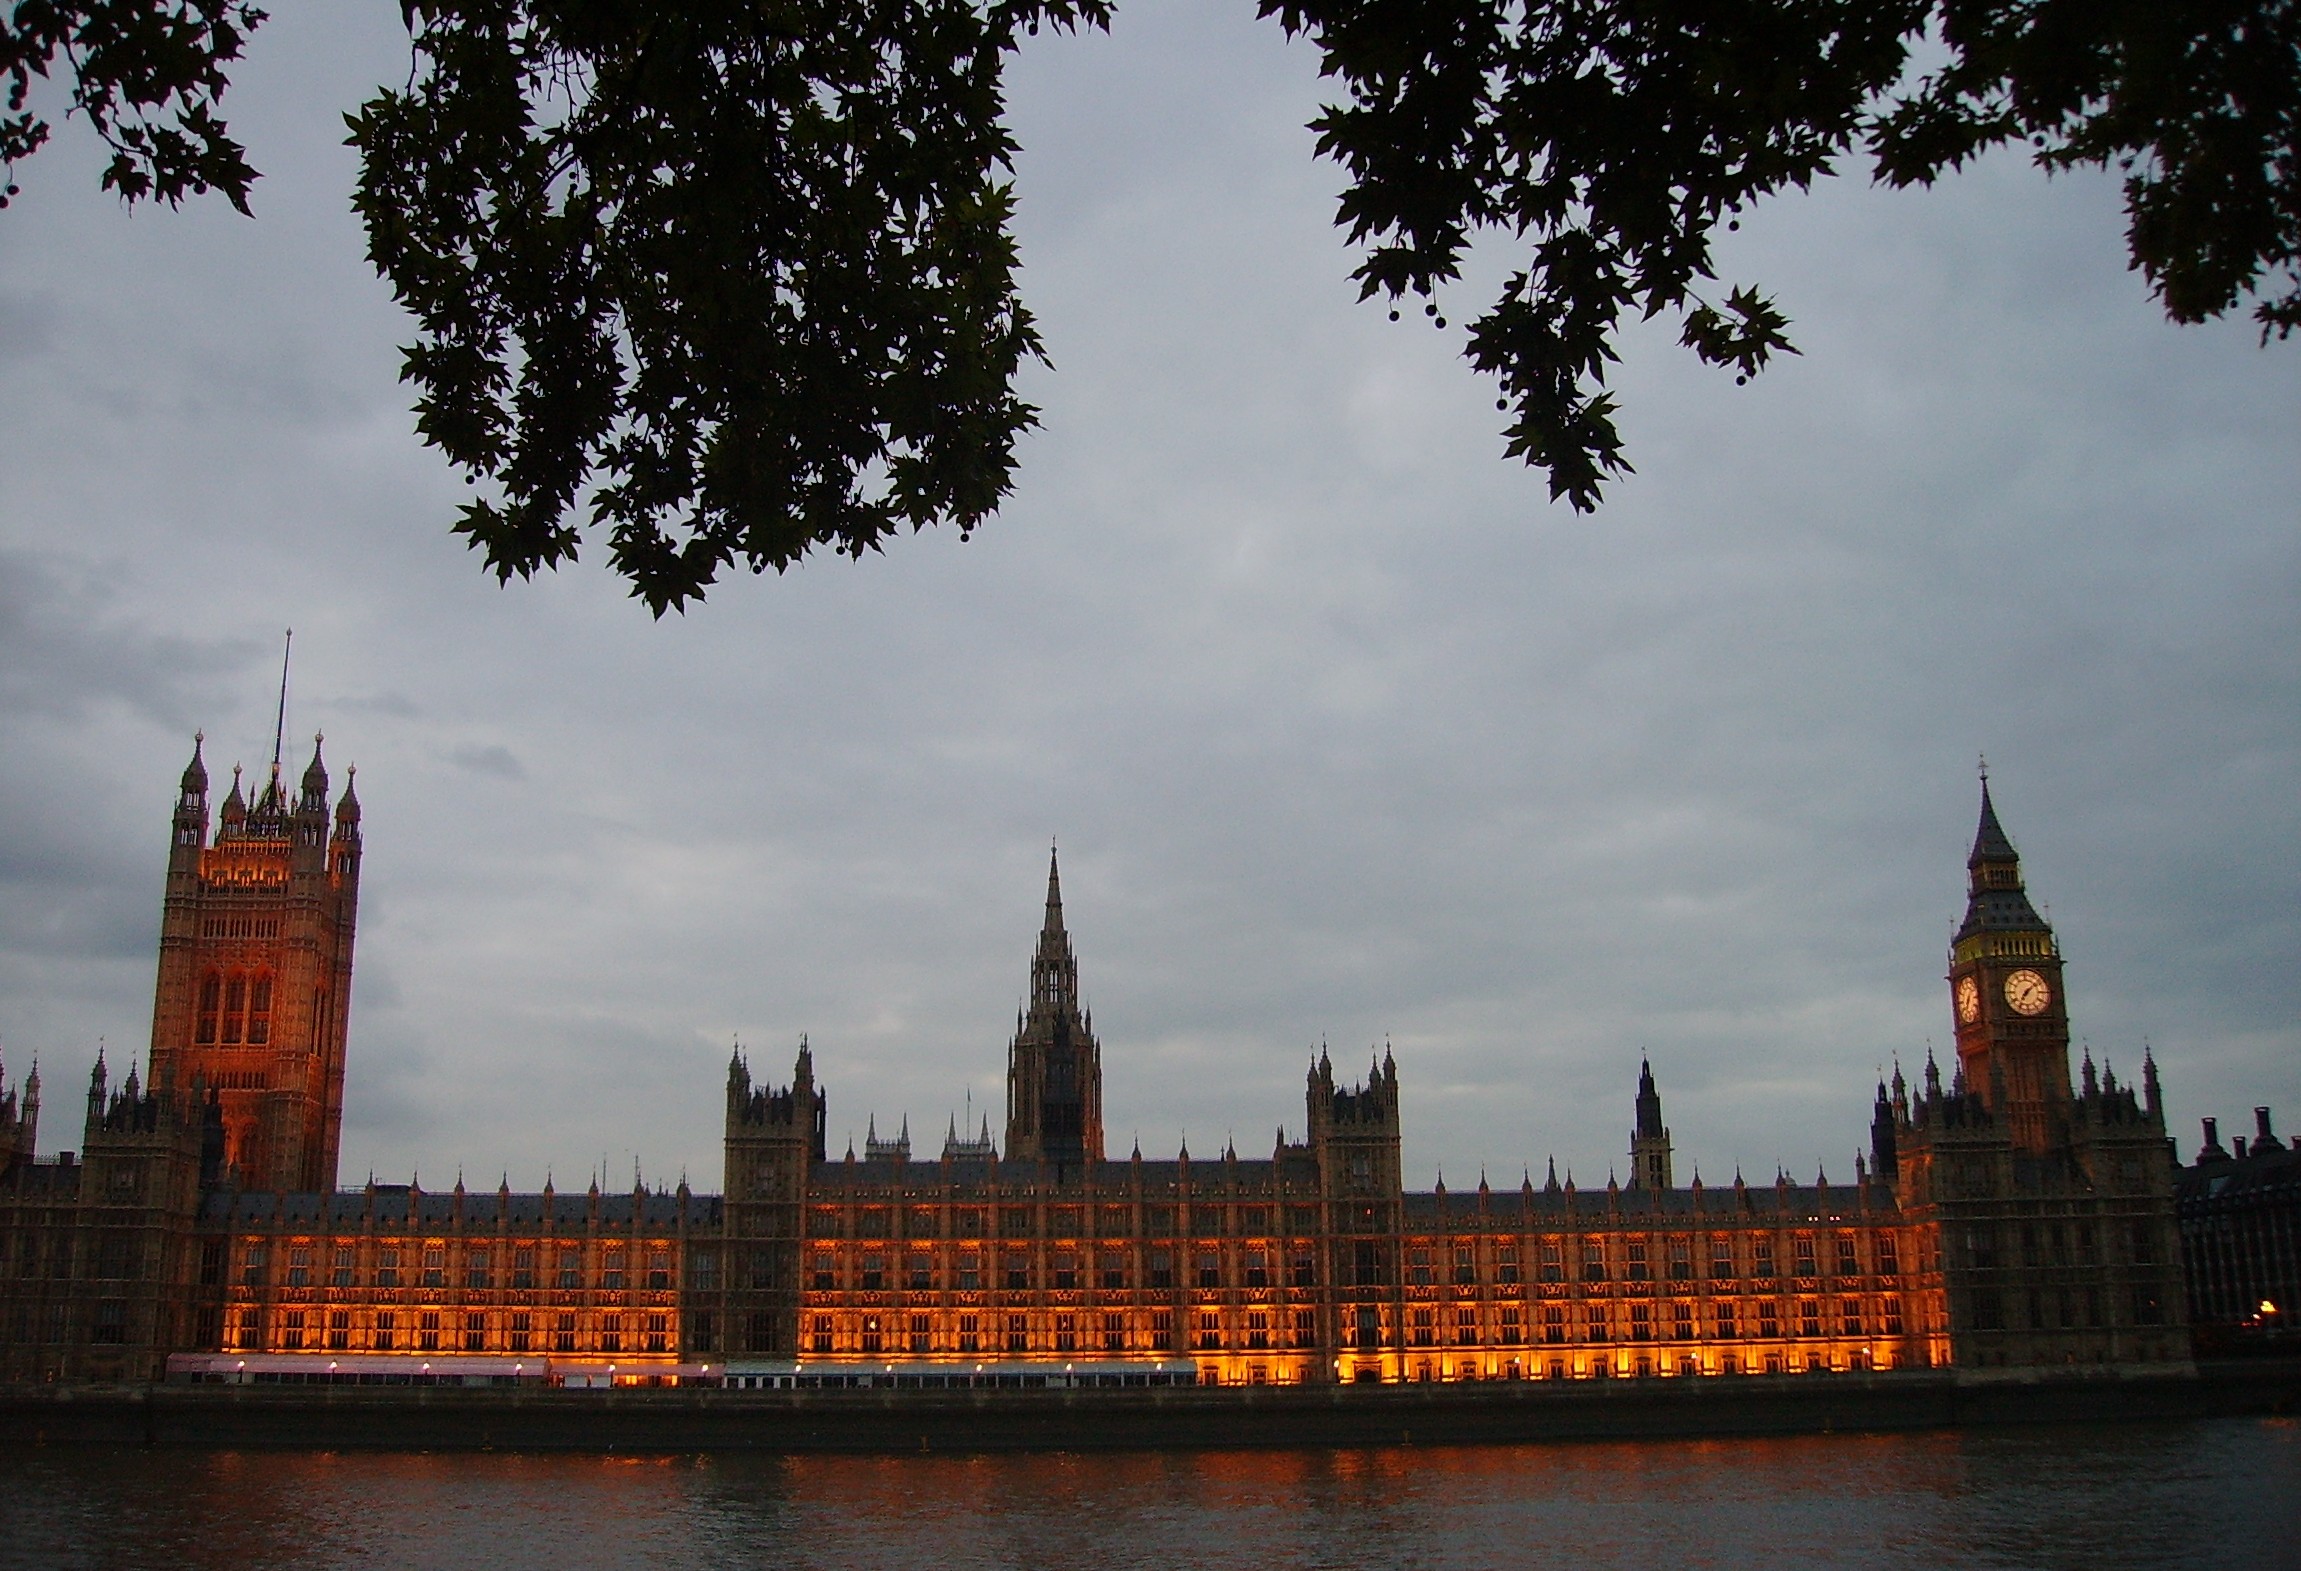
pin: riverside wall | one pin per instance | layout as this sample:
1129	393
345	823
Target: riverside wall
682	1420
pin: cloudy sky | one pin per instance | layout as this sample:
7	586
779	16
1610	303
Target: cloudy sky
1346	734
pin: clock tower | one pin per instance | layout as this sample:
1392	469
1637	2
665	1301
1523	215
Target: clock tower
2006	994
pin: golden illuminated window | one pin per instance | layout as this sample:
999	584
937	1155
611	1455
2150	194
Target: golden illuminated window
1114	1332
1257	1329
386	1330
922	1334
427	1331
474	1333
563	1333
1066	1333
611	1333
211	1008
970	1333
1209	1330
1018	1334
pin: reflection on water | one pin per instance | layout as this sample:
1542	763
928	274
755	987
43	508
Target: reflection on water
2224	1494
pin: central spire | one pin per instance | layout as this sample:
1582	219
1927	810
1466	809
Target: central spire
1054	969
1054	1066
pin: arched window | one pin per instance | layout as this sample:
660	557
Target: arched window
235	1008
211	1000
260	1009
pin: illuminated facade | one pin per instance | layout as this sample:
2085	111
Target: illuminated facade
2008	1221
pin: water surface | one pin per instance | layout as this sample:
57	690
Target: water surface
2223	1494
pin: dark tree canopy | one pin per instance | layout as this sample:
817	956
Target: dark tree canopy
732	279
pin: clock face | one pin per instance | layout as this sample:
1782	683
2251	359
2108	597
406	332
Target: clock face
1968	999
2027	992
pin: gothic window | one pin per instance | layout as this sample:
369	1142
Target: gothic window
292	1329
874	1273
875	1222
1594	1323
435	1266
1849	1260
1114	1268
339	1330
611	1333
1510	1324
299	1268
826	1272
211	1006
1162	1331
1638	1265
873	1338
1762	1259
1117	1221
1641	1323
427	1331
235	1009
1306	1328
523	1268
1066	1265
1066	1333
921	1334
1726	1317
1209	1330
1552	1270
1257	1330
1682	1320
1769	1318
611	1270
474	1333
1305	1267
970	1273
658	1333
1209	1270
1681	1260
659	1270
1466	1327
1506	1264
1805	1256
1893	1308
570	1270
2144	1248
1257	1268
1065	1222
260	1009
1114	1332
1850	1316
968	1223
970	1333
1016	1272
1889	1258
387	1331
1721	1260
919	1272
252	1265
819	1333
1465	1265
563	1333
1593	1261
1418	1263
1015	1221
1018	1334
522	1330
1809	1317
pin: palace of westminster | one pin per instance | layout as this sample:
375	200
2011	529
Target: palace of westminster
2006	1220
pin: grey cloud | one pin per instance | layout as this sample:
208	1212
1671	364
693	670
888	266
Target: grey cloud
1345	732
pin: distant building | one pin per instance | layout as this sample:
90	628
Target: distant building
2007	1222
2240	1213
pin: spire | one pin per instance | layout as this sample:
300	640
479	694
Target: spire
1995	899
1990	841
196	772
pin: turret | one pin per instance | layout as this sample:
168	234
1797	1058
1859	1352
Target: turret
190	831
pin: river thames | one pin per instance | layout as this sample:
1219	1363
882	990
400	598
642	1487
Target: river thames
2224	1494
